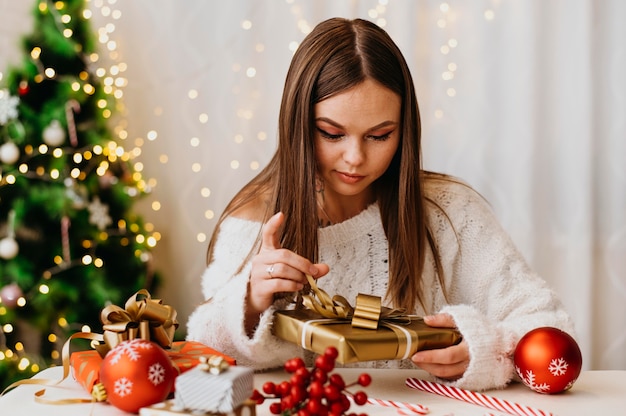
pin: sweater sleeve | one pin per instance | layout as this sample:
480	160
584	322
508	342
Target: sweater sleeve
218	322
495	298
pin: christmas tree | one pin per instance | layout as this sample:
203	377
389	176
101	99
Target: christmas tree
69	242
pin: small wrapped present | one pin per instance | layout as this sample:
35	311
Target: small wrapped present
214	386
366	332
185	355
169	408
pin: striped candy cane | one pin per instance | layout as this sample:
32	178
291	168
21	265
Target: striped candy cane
401	407
475	398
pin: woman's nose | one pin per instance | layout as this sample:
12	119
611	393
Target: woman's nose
354	152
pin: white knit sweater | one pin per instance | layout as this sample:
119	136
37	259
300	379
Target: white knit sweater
494	297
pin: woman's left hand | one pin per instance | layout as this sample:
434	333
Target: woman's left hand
447	363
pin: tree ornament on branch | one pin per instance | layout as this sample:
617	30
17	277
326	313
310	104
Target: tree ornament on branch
11	128
99	214
8	245
10	295
65	238
9	153
53	135
71	107
8	107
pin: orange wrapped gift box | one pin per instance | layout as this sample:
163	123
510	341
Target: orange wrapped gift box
85	365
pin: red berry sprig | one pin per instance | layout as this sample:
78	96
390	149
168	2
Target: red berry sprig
314	392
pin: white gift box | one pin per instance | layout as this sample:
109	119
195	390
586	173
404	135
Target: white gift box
201	390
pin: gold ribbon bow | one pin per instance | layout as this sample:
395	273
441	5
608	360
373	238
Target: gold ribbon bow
142	317
368	312
213	364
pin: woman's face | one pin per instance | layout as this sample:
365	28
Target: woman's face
357	135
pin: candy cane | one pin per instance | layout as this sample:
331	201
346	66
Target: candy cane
70	107
414	408
475	398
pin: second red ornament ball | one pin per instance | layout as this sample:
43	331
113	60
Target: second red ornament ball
136	374
548	360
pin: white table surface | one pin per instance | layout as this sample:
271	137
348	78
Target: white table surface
594	393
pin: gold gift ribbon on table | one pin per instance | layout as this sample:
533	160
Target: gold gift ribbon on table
65	356
142	317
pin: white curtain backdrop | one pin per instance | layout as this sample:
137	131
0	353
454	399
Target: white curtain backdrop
524	99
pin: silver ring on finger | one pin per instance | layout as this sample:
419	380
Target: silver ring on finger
270	270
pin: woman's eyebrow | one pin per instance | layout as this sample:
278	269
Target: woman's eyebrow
339	126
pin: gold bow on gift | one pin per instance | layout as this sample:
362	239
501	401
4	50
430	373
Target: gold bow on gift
142	317
367	313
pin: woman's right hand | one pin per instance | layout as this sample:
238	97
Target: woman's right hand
275	269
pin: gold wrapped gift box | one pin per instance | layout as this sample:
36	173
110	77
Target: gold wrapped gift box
366	332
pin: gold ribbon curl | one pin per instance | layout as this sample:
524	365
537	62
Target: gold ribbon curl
368	312
142	317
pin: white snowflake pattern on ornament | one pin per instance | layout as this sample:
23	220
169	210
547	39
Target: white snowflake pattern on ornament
156	374
123	387
529	380
130	348
569	385
558	366
8	106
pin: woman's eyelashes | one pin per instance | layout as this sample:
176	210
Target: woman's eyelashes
381	137
337	136
329	136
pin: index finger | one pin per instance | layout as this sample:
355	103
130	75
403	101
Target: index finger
269	234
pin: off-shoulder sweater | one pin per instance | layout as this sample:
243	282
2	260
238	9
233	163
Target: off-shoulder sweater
492	293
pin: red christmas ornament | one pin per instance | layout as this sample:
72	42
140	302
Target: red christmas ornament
23	88
136	374
548	360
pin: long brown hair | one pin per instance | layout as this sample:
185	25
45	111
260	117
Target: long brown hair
337	55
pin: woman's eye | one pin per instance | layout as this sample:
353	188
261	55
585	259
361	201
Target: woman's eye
382	137
327	135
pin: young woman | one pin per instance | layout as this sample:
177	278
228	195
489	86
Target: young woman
345	199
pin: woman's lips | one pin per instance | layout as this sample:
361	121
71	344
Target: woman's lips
349	178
